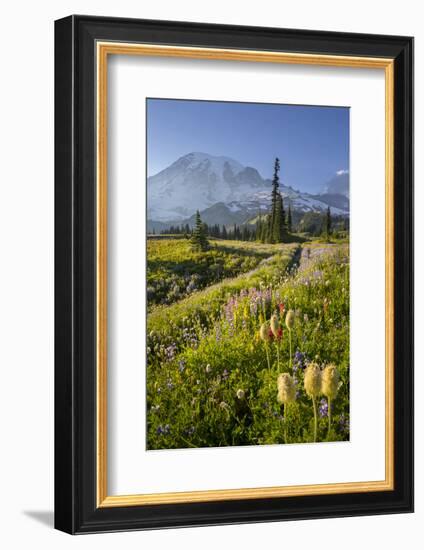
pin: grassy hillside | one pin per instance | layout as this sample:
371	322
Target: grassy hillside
175	270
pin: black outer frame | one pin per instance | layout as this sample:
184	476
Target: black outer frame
75	275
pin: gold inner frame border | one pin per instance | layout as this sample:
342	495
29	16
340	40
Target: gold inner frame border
103	50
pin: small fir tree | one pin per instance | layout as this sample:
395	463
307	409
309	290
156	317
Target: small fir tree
282	225
328	228
289	220
199	239
278	221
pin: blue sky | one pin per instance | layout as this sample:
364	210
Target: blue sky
311	142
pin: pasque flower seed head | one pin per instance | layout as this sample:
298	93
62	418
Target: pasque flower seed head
264	332
286	389
290	319
330	381
274	325
312	380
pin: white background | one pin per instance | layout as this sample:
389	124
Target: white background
26	286
131	80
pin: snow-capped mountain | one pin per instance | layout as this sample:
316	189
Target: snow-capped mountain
197	181
224	191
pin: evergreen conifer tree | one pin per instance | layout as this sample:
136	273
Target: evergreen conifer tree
281	229
289	220
283	213
276	234
199	239
274	200
328	223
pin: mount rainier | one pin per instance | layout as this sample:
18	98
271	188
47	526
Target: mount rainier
225	192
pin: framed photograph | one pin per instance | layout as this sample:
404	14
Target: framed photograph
234	274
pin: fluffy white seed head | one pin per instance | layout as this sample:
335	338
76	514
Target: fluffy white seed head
312	380
264	332
286	389
330	381
290	319
274	325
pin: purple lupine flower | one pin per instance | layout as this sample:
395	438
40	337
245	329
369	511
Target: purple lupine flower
323	408
299	361
170	351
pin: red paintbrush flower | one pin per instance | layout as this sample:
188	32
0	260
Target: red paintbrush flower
280	333
282	308
270	334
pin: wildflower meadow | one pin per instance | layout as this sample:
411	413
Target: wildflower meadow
247	343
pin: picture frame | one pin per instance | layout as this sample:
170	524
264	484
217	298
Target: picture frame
83	45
